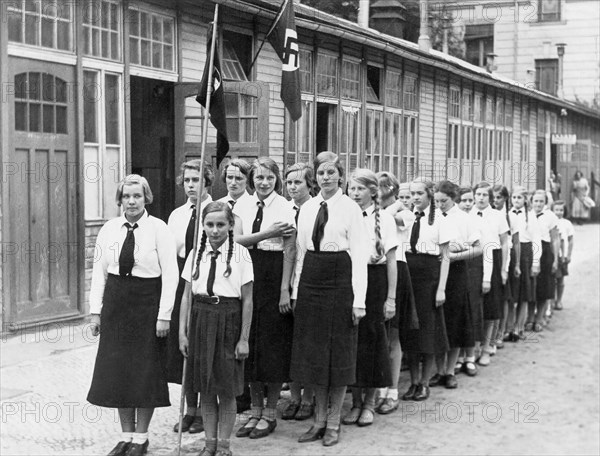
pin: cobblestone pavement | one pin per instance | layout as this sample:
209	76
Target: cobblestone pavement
539	396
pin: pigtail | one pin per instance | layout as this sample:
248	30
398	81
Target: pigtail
200	252
227	272
526	210
431	210
379	248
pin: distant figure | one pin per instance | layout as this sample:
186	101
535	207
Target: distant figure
579	192
555	181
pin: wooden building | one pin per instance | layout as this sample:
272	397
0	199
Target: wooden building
96	89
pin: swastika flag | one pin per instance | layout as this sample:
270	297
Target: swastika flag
284	40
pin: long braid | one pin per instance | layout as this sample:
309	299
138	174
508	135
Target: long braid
526	211
431	209
227	272
200	252
379	248
507	213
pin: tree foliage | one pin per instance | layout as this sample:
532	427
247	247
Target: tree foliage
346	9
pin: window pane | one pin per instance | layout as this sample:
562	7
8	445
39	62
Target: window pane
134	53
156	55
168	57
63	35
48	87
61	90
134	22
61	119
31	29
156	28
95	42
168	31
105	11
20	116
105	44
111	181
249	105
231	104
32	5
34	86
21	85
47	32
91	182
114	17
34	117
144	25
15	27
90	97
145	52
48	120
233	130
114	46
111	102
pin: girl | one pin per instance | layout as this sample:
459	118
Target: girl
235	176
272	324
133	287
372	363
428	263
406	313
465	199
579	192
182	223
495	253
300	185
545	280
565	227
216	339
464	245
330	286
531	252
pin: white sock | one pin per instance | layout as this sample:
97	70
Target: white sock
126	436
469	359
140	437
460	360
383	392
392	393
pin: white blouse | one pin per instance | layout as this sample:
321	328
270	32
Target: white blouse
492	225
565	228
466	233
529	231
154	256
547	221
231	287
402	232
344	231
243	201
430	236
387	227
179	221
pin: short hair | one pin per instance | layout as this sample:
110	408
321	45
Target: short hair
561	203
448	188
133	179
209	175
462	191
489	189
309	176
539	191
328	156
389	180
271	165
238	163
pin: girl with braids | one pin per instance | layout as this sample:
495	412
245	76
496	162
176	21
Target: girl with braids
495	256
406	312
531	252
565	228
216	339
272	322
501	203
428	263
545	287
372	361
330	287
182	223
464	245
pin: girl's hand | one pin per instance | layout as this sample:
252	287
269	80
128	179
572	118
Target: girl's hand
486	286
440	298
535	270
389	308
504	275
517	271
241	350
183	344
284	302
95	324
567	260
357	314
280	229
293	304
554	267
162	328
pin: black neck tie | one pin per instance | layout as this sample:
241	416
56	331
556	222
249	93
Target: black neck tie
480	214
211	273
297	209
126	260
189	233
444	214
232	203
414	234
258	219
539	215
319	227
364	213
517	212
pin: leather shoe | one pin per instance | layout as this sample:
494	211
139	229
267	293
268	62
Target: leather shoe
197	426
314	433
470	368
366	417
137	449
352	416
186	423
304	412
120	449
260	433
247	428
422	393
451	382
410	394
331	437
389	405
437	380
289	412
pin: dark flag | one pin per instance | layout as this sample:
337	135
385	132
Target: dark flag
284	40
217	100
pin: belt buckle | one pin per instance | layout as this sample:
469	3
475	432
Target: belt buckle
214	300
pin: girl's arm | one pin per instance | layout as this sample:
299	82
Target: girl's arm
241	349
469	253
392	276
570	251
505	257
555	243
289	262
183	320
517	250
277	229
440	296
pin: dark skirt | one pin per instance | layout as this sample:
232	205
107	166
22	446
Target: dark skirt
545	283
475	272
520	287
406	311
430	337
213	335
325	338
130	364
174	356
271	332
373	368
457	308
493	301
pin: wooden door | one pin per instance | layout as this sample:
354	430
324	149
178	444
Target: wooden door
247	110
43	210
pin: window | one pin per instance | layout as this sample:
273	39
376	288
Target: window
350	137
546	75
454	104
467	142
548	10
306	70
373	140
101	29
393	89
490	111
151	40
237	56
500	113
102	136
411	93
478	108
467	113
242	117
409	141
478	143
373	84
453	140
508	145
350	80
40	103
232	67
508	114
299	138
479	42
490	145
327	75
41	23
525	118
393	146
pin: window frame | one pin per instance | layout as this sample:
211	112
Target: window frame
91	27
549	17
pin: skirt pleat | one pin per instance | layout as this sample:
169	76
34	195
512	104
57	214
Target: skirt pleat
475	273
174	356
545	282
493	301
521	287
457	308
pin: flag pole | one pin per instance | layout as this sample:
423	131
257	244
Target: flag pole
209	87
279	14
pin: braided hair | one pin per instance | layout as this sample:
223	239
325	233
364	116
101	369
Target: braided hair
504	193
216	206
429	189
519	190
368	178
